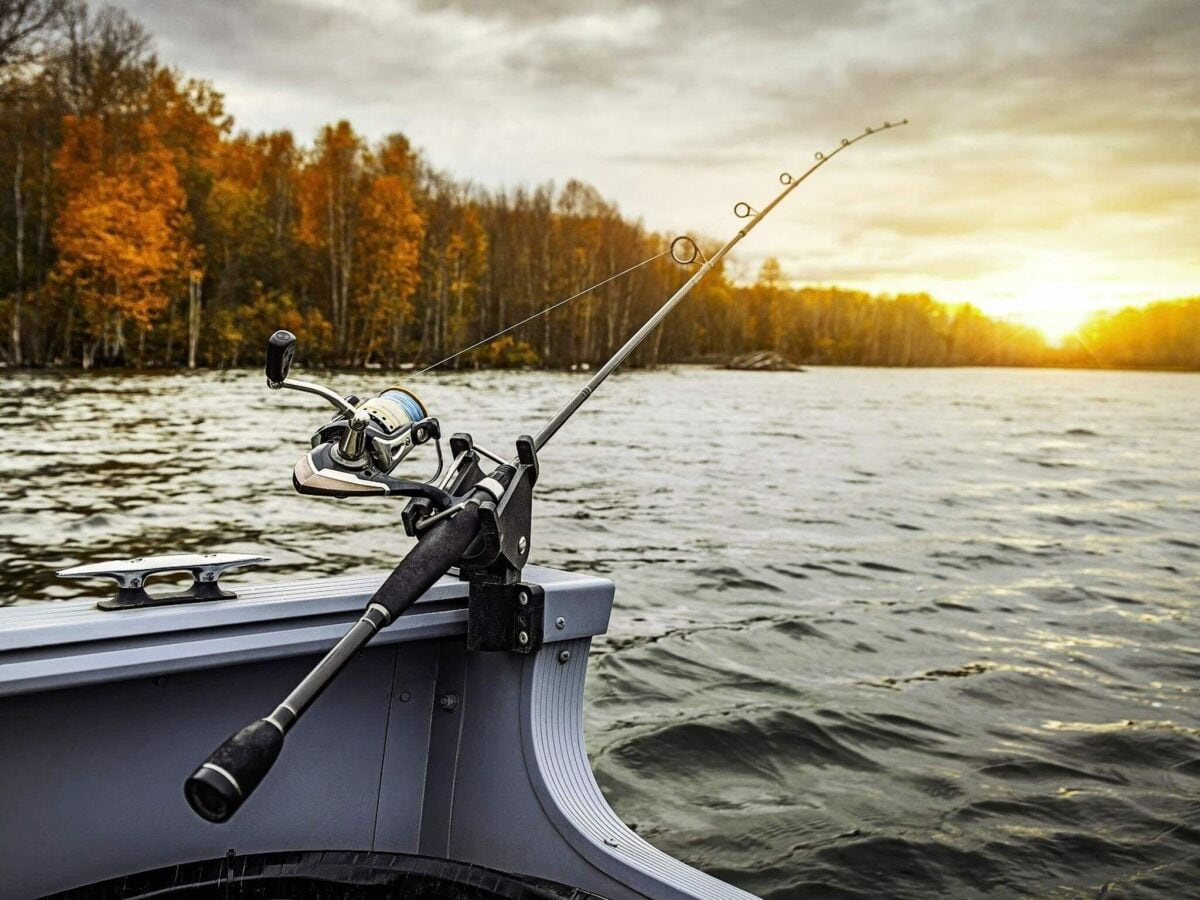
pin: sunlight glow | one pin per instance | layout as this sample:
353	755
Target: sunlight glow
1056	309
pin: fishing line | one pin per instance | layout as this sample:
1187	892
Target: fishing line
741	210
542	312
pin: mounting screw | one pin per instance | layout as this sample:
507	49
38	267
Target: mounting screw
523	638
564	656
523	598
611	842
448	702
405	696
560	623
522	544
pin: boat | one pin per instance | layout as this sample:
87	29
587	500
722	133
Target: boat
424	759
445	759
433	713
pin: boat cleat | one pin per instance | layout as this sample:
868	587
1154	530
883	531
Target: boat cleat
131	575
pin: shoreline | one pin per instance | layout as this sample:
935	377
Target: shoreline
99	371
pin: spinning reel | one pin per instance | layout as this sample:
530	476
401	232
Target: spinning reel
358	451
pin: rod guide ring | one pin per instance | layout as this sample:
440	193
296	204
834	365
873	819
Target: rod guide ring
743	210
683	242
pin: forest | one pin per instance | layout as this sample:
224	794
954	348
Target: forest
139	228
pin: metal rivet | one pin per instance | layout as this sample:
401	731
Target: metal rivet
560	623
448	702
564	656
405	696
523	598
522	544
523	638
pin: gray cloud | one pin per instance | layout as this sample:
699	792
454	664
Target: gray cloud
1039	128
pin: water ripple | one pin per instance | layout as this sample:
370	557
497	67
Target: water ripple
878	633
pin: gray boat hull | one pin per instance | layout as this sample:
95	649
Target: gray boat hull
420	747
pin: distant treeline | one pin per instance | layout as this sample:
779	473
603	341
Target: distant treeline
137	228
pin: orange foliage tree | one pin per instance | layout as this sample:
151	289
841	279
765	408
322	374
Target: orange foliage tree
122	232
359	217
330	194
390	248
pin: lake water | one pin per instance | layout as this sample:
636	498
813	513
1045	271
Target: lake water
878	632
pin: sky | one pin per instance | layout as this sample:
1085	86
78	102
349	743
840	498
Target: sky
1051	166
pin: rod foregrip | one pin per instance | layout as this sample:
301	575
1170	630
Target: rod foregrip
439	548
231	773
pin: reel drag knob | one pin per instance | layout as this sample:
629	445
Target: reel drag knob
281	348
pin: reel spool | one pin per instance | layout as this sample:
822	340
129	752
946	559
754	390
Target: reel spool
395	408
380	431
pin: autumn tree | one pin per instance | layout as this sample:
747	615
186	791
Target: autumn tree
121	234
332	186
392	230
1161	335
72	55
188	117
26	32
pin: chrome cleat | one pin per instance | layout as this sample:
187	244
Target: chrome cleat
131	575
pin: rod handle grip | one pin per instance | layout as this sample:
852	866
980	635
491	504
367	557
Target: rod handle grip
218	788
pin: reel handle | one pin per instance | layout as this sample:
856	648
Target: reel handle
281	348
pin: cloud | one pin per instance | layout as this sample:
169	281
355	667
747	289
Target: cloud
1038	128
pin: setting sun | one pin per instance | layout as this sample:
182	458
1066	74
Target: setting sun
1054	308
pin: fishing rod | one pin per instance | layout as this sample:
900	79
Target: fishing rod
461	516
